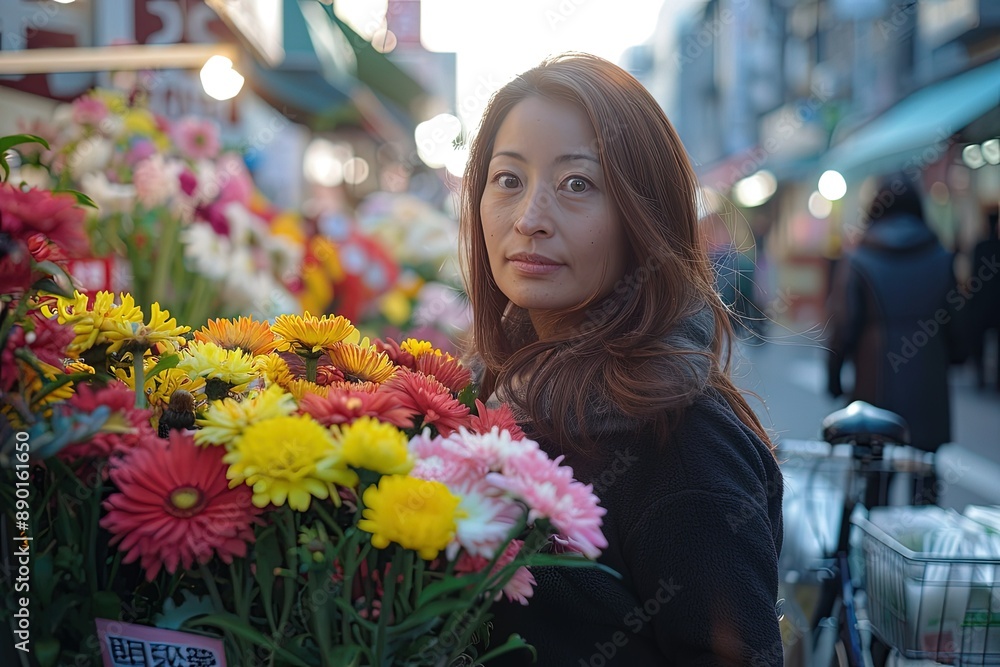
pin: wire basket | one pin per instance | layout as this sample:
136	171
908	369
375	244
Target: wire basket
930	607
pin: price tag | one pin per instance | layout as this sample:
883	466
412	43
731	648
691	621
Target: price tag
130	645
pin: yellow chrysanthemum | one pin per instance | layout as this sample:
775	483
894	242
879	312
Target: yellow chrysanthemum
274	369
167	382
91	325
126	373
299	388
162	331
414	513
309	335
226	420
79	367
362	361
243	333
417	348
377	446
288	458
209	361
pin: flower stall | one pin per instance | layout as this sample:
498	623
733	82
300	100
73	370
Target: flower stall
233	490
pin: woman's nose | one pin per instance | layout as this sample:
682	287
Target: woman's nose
536	215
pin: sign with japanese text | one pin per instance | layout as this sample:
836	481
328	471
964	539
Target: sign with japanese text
129	645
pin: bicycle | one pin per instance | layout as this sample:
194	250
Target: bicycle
875	442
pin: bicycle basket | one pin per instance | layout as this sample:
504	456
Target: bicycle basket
940	608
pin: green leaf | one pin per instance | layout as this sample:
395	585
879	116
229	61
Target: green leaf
513	642
106	604
444	587
348	656
468	396
428	612
56	271
81	199
52	287
166	362
238	627
12	140
268	558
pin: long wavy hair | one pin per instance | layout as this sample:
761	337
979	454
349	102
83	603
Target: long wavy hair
648	349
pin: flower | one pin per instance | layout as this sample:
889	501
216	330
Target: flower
343	404
397	354
243	333
300	389
550	491
125	429
154	181
373	445
414	513
161	331
92	325
46	339
89	111
502	418
197	139
362	361
446	369
273	368
208	360
226	420
288	458
57	216
521	585
308	334
430	399
175	508
417	348
165	383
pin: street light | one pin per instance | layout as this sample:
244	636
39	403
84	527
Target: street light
219	79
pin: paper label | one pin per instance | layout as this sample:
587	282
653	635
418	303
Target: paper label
129	645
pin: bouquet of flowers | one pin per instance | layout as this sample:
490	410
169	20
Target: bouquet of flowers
180	213
300	494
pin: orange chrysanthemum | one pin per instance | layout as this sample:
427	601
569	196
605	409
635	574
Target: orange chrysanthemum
343	406
175	508
428	400
362	361
300	388
243	333
446	369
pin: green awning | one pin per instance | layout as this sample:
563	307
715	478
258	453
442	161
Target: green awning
919	126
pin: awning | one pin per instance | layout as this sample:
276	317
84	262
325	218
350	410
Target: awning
925	120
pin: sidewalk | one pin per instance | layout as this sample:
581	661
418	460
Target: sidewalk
789	374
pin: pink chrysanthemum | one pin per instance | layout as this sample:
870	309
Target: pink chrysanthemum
34	211
424	396
502	418
521	585
124	430
89	111
550	491
343	406
154	181
197	139
446	369
175	507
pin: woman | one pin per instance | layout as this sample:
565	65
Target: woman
595	317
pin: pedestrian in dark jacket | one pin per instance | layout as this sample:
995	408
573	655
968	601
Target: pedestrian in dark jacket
893	309
596	318
984	301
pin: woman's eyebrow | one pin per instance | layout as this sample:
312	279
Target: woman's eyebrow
568	157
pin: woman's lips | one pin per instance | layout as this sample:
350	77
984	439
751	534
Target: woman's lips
534	265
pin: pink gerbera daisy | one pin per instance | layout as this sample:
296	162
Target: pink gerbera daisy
175	507
343	406
502	418
125	428
197	138
424	396
521	585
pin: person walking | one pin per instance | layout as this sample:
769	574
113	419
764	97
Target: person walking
984	303
892	312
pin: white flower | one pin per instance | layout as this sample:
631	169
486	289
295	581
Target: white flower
90	155
205	251
155	181
109	197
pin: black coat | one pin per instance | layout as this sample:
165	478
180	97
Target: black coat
694	528
895	310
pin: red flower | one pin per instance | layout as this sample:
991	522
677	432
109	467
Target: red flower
446	369
175	507
396	354
501	417
47	340
423	395
27	212
343	406
126	427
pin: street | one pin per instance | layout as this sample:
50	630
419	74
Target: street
788	373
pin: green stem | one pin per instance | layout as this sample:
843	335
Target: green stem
140	379
312	363
164	259
195	304
293	567
388	606
213	591
328	520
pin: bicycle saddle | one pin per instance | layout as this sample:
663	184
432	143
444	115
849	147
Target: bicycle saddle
864	424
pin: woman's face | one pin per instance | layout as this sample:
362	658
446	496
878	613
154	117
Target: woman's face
552	233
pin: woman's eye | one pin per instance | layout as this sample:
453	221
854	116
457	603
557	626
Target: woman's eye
507	181
577	184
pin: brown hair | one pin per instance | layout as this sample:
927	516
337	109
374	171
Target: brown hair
627	348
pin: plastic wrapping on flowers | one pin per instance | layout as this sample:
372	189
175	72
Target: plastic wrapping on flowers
308	496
